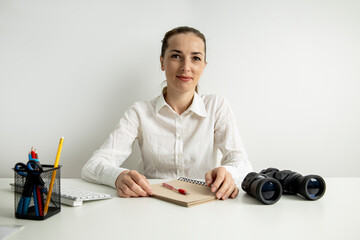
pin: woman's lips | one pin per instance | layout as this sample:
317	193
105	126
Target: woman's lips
184	78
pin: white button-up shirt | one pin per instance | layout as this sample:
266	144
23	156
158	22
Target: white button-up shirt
173	145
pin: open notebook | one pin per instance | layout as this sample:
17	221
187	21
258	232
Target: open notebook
199	192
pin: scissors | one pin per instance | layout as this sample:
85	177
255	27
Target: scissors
23	169
31	171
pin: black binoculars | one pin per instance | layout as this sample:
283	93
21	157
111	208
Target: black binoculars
268	185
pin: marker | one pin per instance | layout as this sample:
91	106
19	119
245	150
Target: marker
53	176
33	155
182	191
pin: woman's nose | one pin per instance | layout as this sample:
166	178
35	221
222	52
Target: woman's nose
185	65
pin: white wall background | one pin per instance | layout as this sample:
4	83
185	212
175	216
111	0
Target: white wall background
290	69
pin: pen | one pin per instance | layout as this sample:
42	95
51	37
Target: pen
33	153
53	176
182	191
36	203
24	202
39	199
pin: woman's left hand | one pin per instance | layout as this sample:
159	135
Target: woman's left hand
222	182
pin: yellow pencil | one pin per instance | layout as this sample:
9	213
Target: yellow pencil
53	176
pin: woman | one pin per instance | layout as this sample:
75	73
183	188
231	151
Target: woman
179	132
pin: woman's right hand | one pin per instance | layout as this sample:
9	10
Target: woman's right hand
130	183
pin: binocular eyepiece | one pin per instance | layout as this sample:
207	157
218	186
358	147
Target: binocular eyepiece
268	185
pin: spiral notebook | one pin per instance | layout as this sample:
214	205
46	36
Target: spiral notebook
199	192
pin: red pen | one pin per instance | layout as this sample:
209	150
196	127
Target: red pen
33	153
182	191
40	201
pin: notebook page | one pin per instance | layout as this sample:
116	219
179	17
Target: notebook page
198	193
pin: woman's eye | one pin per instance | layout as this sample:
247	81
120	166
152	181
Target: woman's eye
197	58
175	56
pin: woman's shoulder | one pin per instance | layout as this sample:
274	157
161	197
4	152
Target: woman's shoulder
216	105
144	105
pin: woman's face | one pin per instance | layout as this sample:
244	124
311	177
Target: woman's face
183	62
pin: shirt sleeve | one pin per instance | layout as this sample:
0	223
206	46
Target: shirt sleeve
104	165
228	140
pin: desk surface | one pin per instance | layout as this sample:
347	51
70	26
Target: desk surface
335	216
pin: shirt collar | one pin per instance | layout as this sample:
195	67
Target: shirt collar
160	103
197	106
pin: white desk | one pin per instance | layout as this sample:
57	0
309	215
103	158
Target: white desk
335	216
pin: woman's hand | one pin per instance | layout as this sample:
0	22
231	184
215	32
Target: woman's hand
130	183
222	182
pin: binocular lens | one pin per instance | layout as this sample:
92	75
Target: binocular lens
313	187
268	190
265	189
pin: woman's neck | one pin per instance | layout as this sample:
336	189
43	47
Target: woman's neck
179	102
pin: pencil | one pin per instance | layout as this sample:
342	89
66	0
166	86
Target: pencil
53	176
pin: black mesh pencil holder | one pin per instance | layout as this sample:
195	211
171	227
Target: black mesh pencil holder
37	192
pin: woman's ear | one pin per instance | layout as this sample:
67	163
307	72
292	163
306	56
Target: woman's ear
162	63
